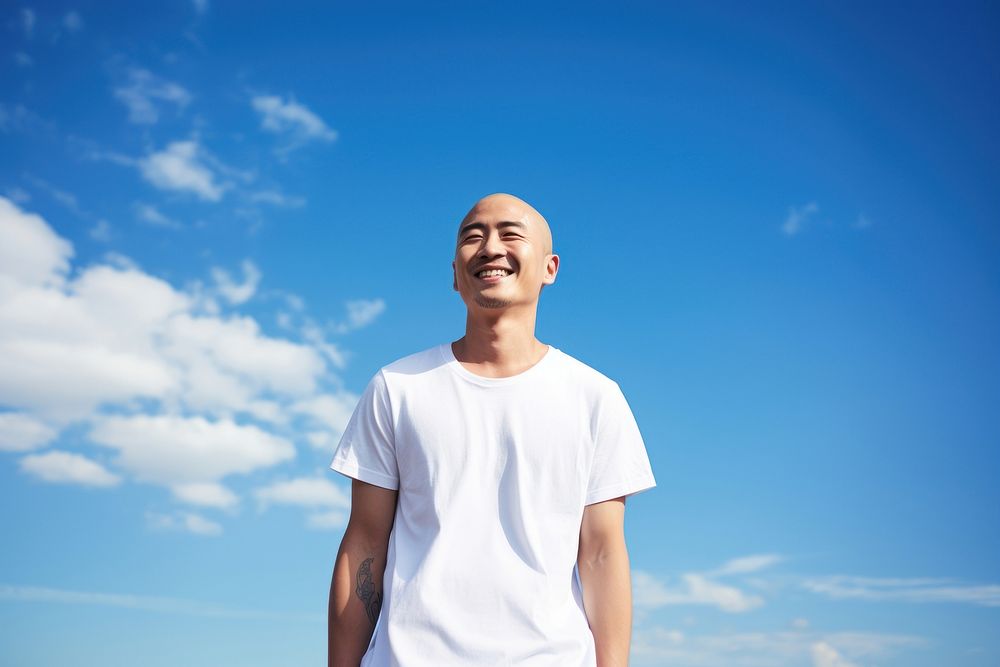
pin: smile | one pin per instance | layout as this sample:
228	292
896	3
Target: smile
487	274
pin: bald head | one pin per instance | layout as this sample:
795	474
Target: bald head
503	206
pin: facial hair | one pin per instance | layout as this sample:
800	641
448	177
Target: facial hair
492	302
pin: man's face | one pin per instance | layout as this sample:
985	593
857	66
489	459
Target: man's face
501	231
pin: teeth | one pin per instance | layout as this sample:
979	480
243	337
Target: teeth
494	272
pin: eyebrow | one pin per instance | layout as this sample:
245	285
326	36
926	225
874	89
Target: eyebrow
501	225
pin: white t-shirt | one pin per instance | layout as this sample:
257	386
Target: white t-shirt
493	475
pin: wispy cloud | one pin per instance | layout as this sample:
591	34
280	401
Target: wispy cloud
293	121
18	195
182	167
188	522
68	468
360	313
151	215
22	59
797	217
693	589
101	231
143	93
27	20
916	590
72	21
747	564
143	602
235	292
20	119
63	197
277	198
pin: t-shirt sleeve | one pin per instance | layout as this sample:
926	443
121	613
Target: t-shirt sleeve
620	465
367	450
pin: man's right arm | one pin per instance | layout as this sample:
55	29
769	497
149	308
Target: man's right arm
356	588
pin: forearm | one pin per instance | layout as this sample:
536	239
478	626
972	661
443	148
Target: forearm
607	598
355	599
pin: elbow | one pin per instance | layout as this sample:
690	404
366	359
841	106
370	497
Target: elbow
598	554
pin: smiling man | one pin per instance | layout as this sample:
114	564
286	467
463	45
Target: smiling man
489	483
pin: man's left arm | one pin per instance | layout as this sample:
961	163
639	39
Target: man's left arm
607	584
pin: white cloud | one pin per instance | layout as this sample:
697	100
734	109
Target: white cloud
316	493
327	520
115	334
315	335
916	590
72	21
324	440
237	293
182	167
21	433
152	376
205	494
30	252
362	312
200	6
797	216
824	655
292	120
143	93
171	449
22	59
747	564
183	521
150	214
304	492
649	592
654	646
331	410
68	468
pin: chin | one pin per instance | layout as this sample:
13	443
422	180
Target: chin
491	302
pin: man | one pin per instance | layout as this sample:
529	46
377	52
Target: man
489	483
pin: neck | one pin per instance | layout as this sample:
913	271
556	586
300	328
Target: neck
502	342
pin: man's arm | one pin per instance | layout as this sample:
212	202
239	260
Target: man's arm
607	583
356	587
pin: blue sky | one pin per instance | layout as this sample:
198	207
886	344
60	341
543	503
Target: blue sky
778	232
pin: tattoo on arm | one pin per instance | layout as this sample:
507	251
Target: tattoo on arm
365	590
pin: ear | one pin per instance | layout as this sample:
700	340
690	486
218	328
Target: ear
454	278
551	269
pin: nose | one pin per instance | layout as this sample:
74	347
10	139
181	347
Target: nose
491	245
